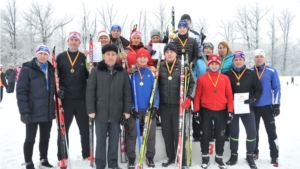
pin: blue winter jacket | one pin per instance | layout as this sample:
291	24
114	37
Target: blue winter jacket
200	67
271	93
143	92
226	63
32	94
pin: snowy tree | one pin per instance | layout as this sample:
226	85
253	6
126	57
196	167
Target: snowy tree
227	30
273	39
161	18
243	24
88	26
202	24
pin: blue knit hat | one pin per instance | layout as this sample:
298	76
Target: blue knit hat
183	23
42	49
238	54
115	26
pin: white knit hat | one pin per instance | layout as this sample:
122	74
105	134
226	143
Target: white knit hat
259	52
103	33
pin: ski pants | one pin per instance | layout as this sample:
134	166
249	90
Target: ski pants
31	130
102	130
77	108
250	126
169	127
266	113
132	136
220	120
196	129
11	87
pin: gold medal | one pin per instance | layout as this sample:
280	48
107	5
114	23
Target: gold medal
123	55
170	77
141	83
182	50
214	84
183	44
72	70
238	83
70	60
238	77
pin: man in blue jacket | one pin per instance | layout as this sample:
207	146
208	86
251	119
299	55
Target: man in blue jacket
142	81
268	107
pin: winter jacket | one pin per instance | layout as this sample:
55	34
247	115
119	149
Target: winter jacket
143	92
271	93
3	80
169	90
32	94
226	63
11	75
249	83
201	66
195	35
108	93
131	55
191	47
206	96
125	42
73	84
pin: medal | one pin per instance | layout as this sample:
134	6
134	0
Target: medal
122	55
238	77
238	83
183	44
141	83
182	50
170	71
257	72
170	77
72	63
141	76
214	84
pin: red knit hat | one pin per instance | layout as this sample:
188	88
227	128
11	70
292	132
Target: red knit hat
142	52
214	58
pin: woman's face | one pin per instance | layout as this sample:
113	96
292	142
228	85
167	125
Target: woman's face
222	50
136	40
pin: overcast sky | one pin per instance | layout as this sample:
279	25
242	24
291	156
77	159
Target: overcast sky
214	10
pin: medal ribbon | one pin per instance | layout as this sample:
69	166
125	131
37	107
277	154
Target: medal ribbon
240	76
132	50
183	44
140	74
72	63
257	72
215	84
222	64
170	71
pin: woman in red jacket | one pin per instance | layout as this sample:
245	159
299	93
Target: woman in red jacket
214	96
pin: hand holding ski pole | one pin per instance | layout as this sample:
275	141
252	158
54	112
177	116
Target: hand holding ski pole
186	103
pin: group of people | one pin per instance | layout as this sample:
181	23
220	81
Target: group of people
114	90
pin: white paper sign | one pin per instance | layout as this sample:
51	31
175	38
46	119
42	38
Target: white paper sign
239	106
158	47
97	51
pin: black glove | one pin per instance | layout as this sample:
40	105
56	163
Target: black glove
276	110
153	112
25	118
249	101
230	117
134	113
152	52
197	117
61	94
123	120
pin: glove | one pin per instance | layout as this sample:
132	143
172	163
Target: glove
230	117
153	112
186	103
25	118
152	52
276	110
249	101
123	120
197	117
134	113
61	94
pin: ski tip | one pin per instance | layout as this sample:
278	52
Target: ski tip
54	48
139	167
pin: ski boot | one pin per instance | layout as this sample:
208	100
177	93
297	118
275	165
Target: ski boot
168	162
250	160
274	162
29	165
219	160
131	163
205	161
150	162
233	158
44	164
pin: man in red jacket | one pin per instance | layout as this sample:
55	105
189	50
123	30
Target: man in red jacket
214	96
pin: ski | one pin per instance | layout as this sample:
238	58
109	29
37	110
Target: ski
147	119
123	134
181	130
91	120
60	119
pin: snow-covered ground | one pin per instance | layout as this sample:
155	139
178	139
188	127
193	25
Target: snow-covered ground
12	136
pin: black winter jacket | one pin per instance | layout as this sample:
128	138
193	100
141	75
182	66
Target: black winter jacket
74	84
32	95
169	90
108	93
11	75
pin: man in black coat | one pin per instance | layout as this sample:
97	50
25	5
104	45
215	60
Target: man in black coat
2	83
11	79
35	96
108	97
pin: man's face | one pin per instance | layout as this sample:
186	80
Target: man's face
238	62
142	60
73	43
259	60
155	39
42	57
115	33
214	66
170	55
110	58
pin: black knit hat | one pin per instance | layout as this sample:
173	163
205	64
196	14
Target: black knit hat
186	16
170	46
109	47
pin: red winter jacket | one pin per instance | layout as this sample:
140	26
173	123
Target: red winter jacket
207	98
131	56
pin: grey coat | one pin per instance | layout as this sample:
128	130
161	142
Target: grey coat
108	93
